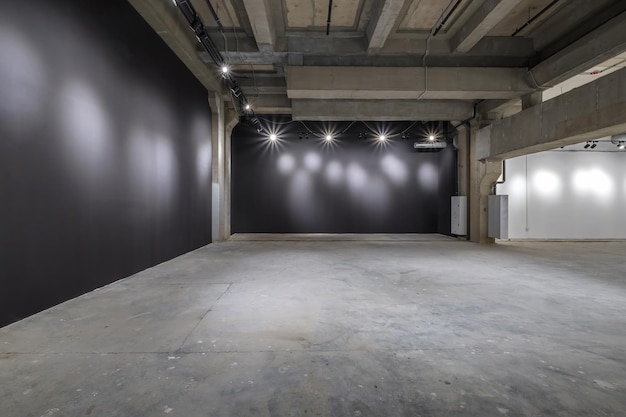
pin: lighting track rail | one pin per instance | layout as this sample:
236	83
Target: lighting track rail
239	99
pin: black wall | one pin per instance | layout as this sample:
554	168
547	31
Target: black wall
105	151
299	185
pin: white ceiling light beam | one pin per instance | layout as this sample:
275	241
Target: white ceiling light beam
260	19
482	21
379	29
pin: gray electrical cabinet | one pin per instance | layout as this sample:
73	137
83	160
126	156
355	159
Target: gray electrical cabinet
458	217
498	213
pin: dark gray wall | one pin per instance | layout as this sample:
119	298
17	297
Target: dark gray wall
352	186
105	151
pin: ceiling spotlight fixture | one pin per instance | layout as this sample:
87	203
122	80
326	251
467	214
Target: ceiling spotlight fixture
594	144
431	137
382	138
247	106
587	145
620	145
222	67
273	137
329	138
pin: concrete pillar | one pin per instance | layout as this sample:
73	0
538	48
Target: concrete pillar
462	145
482	176
224	120
217	190
231	121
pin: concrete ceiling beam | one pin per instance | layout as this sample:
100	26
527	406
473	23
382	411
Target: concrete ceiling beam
248	58
381	110
494	106
607	41
490	13
264	89
270	104
595	110
379	28
496	51
261	22
167	21
263	80
403	83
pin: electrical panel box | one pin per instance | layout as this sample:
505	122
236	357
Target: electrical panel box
498	213
458	216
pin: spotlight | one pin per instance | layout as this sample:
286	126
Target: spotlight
431	137
587	145
594	144
329	138
382	138
225	69
247	106
273	137
621	145
235	90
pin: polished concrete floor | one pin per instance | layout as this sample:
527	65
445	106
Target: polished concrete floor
390	326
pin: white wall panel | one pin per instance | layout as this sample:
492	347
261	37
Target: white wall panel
567	195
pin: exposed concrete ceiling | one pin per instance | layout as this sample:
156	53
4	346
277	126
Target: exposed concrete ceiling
407	58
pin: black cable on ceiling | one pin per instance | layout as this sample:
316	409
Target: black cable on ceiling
535	17
215	16
330	10
445	19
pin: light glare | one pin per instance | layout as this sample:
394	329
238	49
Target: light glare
382	138
594	181
312	161
547	183
286	164
273	137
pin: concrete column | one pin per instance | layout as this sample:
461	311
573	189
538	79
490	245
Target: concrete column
482	176
217	189
224	121
231	121
462	145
